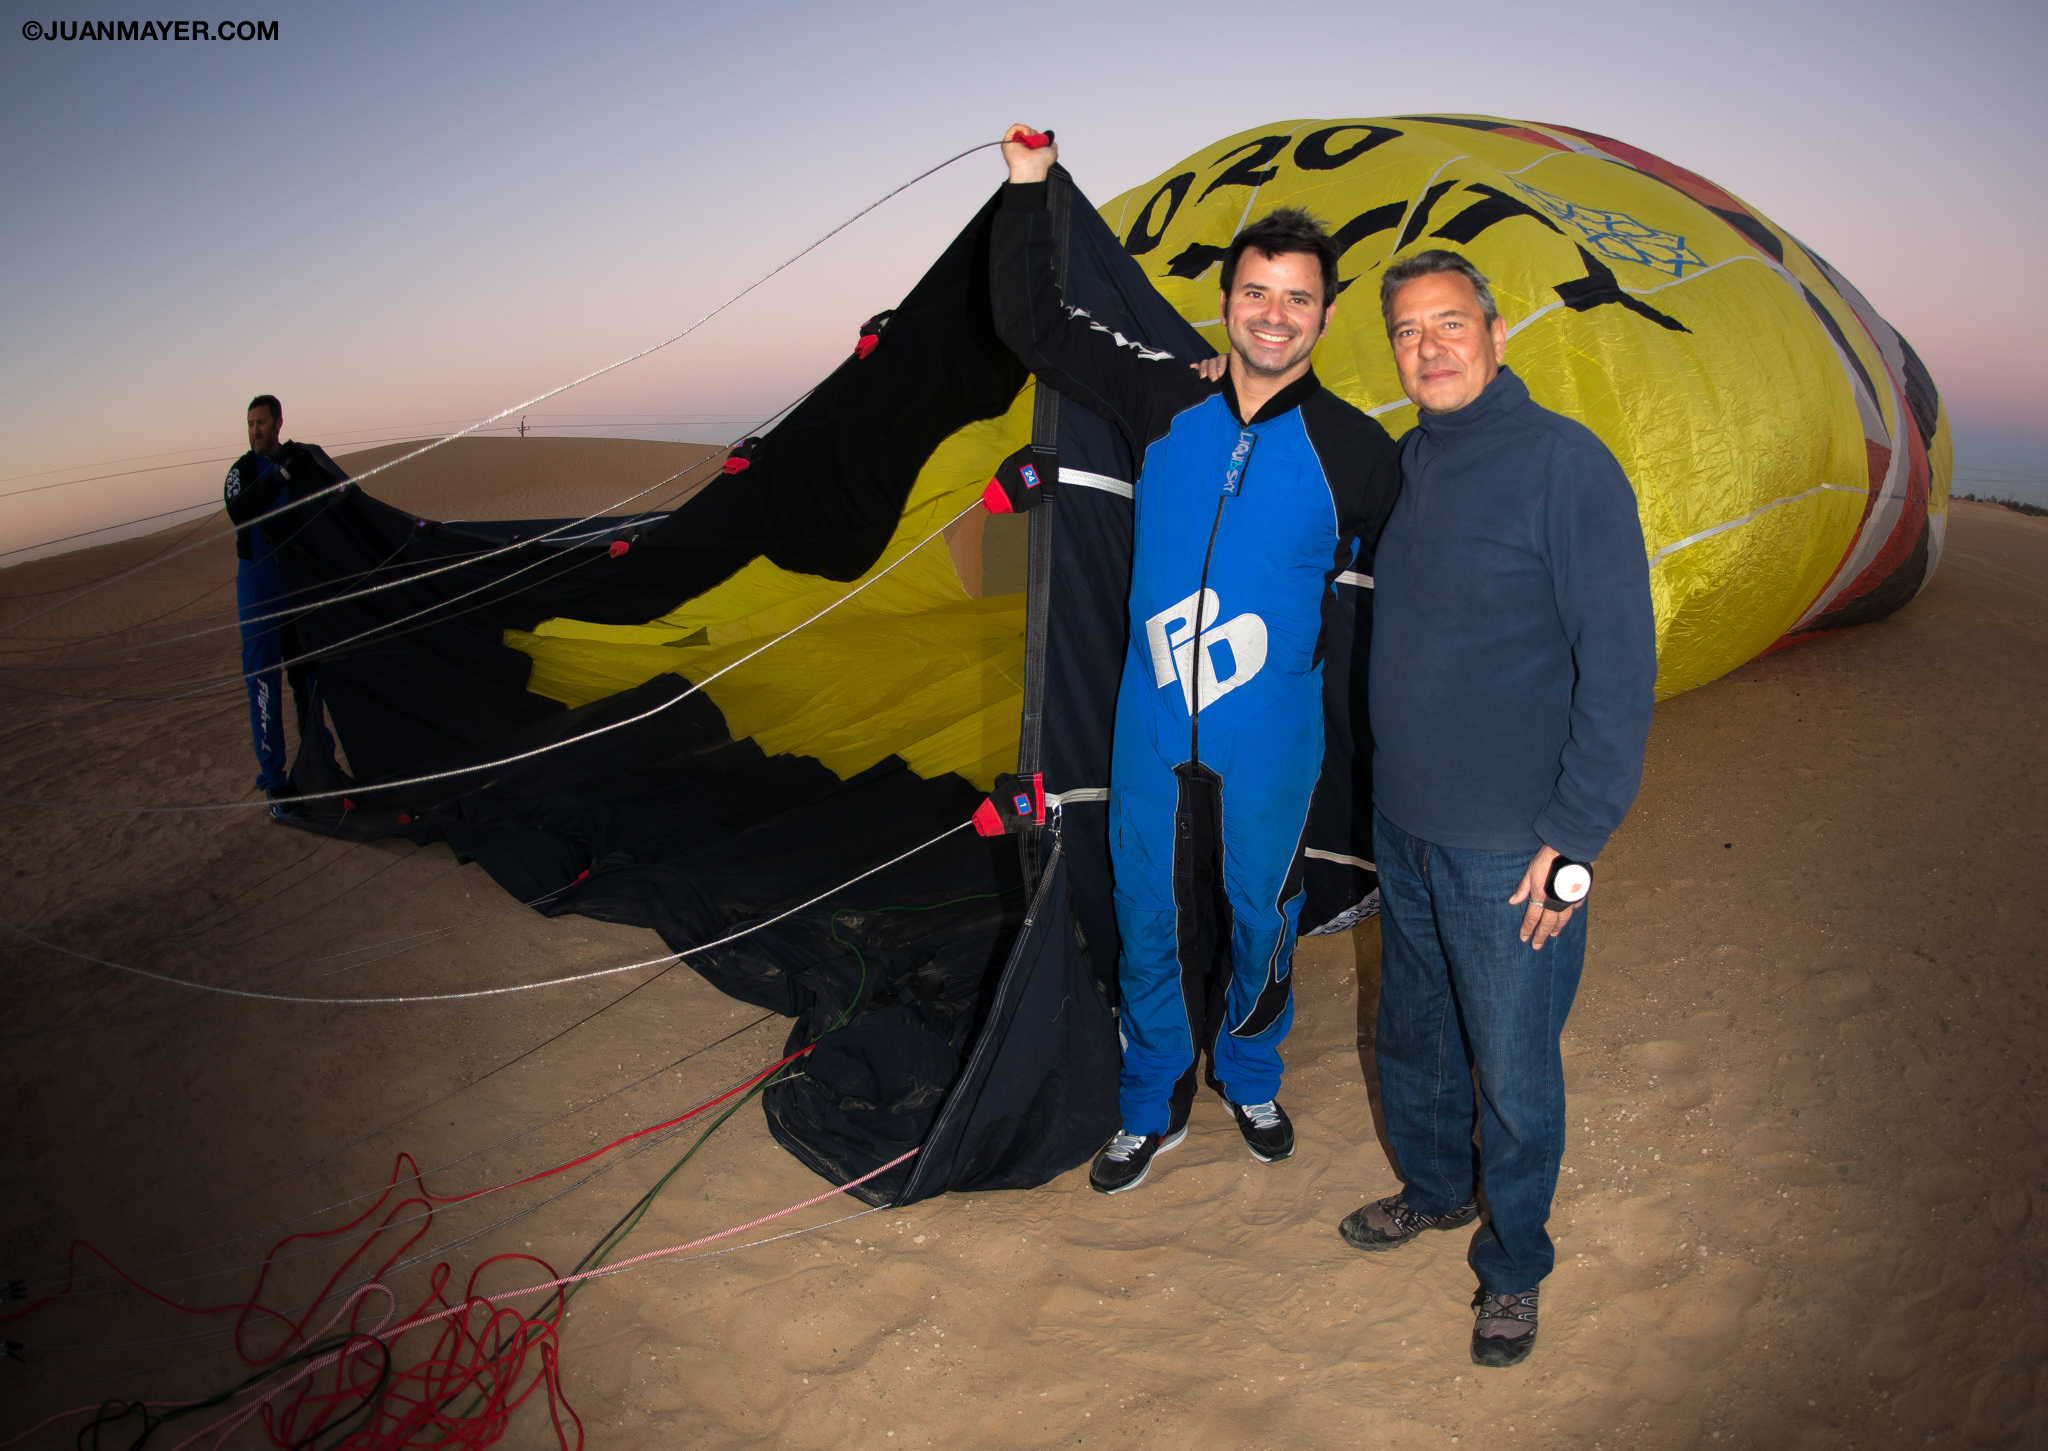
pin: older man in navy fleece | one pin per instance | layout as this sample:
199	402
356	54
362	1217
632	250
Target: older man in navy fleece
1513	663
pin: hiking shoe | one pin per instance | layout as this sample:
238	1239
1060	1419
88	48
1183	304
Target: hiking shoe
1505	1331
1387	1222
283	806
1267	1132
1126	1159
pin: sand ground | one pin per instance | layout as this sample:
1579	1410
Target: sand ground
1803	1204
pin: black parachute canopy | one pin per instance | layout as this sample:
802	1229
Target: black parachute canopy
961	1000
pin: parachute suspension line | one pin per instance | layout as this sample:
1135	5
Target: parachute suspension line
376	439
330	1346
392	629
499	1354
366	788
112	1275
59	589
657	1254
297	612
47	640
396	629
491	992
504	413
501	1362
404	1171
222	684
206	504
43	1277
542	1324
397	947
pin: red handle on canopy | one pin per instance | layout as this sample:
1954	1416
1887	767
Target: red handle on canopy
1036	140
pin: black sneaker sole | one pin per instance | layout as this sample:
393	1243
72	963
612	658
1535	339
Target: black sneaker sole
1164	1144
1495	1351
1373	1246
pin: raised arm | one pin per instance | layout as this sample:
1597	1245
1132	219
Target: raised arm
1135	386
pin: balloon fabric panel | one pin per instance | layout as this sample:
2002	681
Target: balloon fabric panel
1757	406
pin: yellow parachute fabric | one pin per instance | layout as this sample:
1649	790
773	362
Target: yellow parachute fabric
909	665
1752	441
1755	400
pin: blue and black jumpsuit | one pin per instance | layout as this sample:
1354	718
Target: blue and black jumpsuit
1241	529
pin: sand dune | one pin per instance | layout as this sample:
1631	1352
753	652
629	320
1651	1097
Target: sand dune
537	478
1803	1202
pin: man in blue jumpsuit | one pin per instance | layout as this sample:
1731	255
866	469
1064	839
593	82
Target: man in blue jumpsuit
1254	491
254	487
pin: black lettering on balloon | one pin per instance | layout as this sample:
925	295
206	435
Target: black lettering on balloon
1599	289
1143	235
1495	207
1195	259
1419	218
1246	172
1198	257
1314	154
1366	224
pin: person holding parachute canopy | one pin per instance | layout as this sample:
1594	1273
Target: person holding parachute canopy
255	486
1256	488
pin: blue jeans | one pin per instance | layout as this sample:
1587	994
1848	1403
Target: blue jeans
1459	991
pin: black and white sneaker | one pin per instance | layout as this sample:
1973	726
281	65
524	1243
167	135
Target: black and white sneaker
1126	1159
1267	1132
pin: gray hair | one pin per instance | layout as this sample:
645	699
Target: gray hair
1426	264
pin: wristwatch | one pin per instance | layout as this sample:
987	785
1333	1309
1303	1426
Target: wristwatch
1567	885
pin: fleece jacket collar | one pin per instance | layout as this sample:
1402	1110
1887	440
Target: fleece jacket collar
1502	396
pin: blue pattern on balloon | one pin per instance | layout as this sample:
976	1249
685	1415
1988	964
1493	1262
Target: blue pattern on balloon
1618	236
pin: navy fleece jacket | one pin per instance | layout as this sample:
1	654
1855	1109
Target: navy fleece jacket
1514	653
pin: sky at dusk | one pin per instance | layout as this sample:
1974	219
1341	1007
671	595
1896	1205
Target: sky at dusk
403	219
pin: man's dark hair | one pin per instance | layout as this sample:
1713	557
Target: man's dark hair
1290	229
268	400
1424	264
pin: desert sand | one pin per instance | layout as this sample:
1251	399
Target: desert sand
1803	1205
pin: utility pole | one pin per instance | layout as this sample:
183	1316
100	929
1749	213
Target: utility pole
522	425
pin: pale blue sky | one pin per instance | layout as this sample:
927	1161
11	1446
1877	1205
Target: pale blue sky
403	218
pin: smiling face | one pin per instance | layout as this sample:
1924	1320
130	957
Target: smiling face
1274	311
1444	348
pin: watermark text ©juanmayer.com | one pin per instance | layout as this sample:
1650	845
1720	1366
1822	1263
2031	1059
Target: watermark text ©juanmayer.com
149	30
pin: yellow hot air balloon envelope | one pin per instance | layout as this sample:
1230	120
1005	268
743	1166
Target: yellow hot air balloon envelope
1786	446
